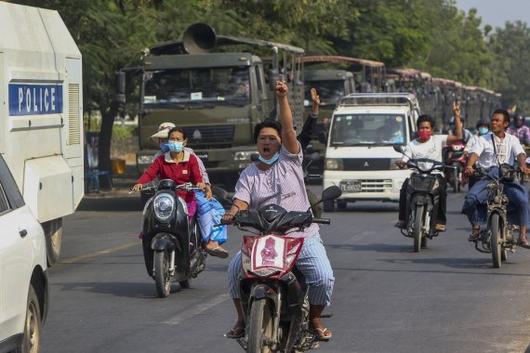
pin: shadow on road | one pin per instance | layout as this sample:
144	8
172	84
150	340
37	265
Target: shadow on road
111	204
394	270
376	207
387	248
119	289
460	262
527	349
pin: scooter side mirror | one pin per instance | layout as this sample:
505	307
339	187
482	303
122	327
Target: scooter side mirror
313	157
331	193
254	157
219	193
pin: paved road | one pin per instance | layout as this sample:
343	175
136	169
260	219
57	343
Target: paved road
387	299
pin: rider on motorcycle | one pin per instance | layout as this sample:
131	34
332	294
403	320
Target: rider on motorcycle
161	136
483	127
277	178
489	156
181	166
520	130
428	146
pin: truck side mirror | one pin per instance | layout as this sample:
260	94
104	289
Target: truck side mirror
274	76
322	138
120	87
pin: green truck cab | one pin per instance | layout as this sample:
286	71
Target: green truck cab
216	97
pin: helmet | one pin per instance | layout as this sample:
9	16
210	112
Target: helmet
163	130
482	122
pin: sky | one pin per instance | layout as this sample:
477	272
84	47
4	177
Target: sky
497	12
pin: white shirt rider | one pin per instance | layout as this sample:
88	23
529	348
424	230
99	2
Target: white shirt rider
507	149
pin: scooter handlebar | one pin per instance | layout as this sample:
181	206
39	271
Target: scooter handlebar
322	220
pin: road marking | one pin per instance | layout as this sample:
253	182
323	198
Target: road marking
75	259
197	310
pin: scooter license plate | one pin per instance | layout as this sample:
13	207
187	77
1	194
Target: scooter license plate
351	186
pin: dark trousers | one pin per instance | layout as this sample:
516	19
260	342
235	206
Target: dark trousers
440	208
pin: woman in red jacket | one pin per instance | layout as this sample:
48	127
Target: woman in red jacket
178	165
181	166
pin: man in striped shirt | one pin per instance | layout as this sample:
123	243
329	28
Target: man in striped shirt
278	178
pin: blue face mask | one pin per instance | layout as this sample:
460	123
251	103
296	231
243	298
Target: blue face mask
164	147
269	161
483	130
175	146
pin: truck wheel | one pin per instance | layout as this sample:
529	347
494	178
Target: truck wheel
53	232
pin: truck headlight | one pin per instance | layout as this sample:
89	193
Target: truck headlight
334	164
393	165
243	155
164	205
144	159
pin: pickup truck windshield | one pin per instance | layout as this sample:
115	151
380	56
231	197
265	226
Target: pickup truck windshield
368	130
214	86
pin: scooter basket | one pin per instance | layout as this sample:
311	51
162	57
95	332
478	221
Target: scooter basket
424	183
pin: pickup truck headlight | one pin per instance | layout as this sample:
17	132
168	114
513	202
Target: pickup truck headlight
393	165
334	164
243	155
164	205
145	159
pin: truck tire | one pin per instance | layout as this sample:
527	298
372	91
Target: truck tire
53	232
32	325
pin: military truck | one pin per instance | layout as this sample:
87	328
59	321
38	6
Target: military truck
216	97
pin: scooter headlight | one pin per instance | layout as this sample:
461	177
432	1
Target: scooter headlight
164	205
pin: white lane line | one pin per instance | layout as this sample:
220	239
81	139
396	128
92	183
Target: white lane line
75	259
197	310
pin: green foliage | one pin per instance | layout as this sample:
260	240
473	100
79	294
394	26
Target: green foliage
431	35
511	49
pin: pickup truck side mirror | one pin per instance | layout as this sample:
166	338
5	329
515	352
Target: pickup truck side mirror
398	148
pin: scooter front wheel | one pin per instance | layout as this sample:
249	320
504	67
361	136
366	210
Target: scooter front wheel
260	327
162	276
418	228
496	240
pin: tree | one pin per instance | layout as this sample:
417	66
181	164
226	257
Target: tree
511	48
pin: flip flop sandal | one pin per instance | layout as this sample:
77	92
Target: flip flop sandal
474	237
523	244
218	252
236	332
323	334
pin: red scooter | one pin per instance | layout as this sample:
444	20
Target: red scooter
273	291
456	160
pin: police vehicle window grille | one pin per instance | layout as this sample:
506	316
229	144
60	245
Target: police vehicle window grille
4	203
74	125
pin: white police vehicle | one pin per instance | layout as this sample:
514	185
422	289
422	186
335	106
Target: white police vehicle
41	115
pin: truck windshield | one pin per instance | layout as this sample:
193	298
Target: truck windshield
219	85
368	129
330	91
